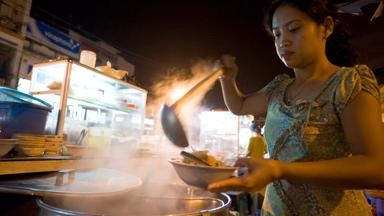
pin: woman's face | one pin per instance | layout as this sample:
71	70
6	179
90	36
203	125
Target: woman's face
299	40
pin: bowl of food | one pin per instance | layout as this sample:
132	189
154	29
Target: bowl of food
198	175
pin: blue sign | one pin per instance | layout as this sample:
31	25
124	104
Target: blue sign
58	38
50	36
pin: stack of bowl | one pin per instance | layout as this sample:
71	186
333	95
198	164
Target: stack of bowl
34	145
53	145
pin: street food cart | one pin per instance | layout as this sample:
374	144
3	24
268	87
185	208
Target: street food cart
90	108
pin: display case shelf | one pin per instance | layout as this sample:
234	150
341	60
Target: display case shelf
54	91
90	101
98	104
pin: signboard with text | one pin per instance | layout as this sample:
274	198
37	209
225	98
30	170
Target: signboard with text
49	36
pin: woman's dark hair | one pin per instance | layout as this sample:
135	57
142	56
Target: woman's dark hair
338	48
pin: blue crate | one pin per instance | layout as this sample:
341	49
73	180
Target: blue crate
21	113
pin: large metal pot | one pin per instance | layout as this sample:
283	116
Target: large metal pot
112	192
146	200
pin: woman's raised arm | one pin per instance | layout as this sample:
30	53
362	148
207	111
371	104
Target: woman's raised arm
235	100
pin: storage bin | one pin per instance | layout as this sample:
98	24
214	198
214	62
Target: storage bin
21	113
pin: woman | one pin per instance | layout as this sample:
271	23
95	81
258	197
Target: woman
257	146
323	126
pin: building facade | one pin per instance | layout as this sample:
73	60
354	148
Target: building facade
44	42
25	41
13	23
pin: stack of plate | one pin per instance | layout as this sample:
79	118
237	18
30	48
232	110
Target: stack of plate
34	145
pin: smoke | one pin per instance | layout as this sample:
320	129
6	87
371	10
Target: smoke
150	160
178	81
162	191
175	84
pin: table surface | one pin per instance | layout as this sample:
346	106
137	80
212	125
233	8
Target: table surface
46	164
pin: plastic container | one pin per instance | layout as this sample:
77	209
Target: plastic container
21	113
88	58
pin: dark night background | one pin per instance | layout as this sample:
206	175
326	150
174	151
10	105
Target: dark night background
157	35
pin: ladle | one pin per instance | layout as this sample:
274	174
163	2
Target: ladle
172	127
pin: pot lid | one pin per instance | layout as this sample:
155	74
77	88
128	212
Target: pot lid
71	182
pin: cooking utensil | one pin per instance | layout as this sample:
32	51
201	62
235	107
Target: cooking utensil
172	127
82	135
194	158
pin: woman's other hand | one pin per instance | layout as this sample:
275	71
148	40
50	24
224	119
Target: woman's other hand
228	65
260	173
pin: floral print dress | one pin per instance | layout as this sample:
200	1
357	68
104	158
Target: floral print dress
312	131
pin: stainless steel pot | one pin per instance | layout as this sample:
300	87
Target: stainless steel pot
146	200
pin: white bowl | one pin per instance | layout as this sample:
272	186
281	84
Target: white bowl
199	175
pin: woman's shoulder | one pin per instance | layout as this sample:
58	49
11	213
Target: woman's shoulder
282	77
349	81
360	76
360	71
277	81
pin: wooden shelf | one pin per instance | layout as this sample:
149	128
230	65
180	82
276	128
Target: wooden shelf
33	166
91	102
52	91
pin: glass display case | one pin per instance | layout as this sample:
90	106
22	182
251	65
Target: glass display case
90	108
224	134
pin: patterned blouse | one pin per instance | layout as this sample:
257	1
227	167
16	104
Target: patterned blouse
312	131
